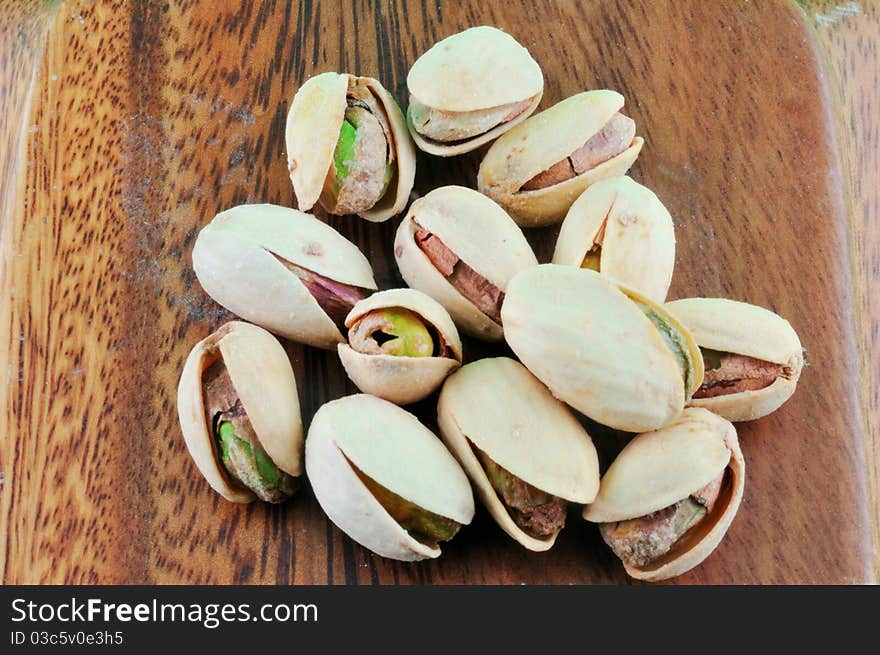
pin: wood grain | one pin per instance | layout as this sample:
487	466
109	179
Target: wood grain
146	118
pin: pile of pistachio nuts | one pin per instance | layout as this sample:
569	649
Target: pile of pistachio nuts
591	331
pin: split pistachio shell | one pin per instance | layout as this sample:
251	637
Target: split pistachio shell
729	326
237	259
474	75
389	446
313	129
264	382
604	349
538	143
657	469
503	410
629	229
480	233
402	379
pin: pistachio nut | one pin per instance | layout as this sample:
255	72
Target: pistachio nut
603	348
239	414
537	169
667	500
470	88
525	453
348	147
619	228
282	269
384	479
401	345
461	248
752	357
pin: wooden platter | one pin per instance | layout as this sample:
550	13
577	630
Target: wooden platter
128	125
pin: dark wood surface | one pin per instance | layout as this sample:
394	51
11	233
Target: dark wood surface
128	125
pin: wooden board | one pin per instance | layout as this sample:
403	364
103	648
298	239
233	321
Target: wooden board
146	118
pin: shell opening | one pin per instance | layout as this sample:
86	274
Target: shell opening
593	257
454	127
536	512
237	448
673	338
652	540
470	284
363	165
335	298
615	136
396	331
424	526
730	373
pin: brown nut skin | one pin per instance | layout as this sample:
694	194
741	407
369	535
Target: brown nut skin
264	381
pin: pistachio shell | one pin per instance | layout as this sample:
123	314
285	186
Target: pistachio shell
502	409
390	446
263	379
638	246
402	380
657	469
234	258
544	139
737	327
312	131
479	68
480	233
583	336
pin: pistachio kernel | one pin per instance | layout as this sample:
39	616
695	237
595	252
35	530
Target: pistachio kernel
614	137
362	166
422	525
729	373
239	449
642	540
394	331
538	513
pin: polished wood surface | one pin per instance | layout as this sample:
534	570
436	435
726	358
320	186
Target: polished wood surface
128	125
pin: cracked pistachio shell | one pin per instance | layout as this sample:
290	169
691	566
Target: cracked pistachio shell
658	469
390	446
743	329
584	337
263	379
477	69
541	141
505	411
312	131
482	235
235	260
638	246
402	380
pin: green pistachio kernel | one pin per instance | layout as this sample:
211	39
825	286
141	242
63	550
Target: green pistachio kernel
422	525
248	463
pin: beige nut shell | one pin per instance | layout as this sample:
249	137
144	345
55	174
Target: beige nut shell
263	378
539	142
477	230
389	445
657	469
505	411
479	68
744	329
312	131
583	336
234	260
638	247
401	380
